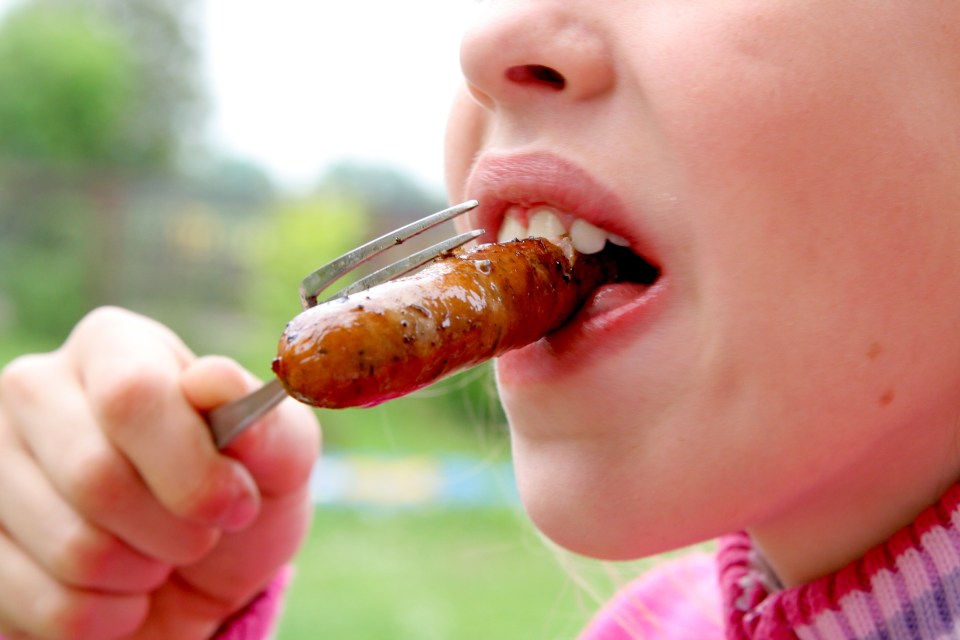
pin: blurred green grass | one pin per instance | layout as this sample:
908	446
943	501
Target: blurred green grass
441	574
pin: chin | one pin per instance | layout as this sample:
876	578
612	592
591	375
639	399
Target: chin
589	495
571	508
625	487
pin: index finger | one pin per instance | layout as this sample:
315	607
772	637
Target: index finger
130	368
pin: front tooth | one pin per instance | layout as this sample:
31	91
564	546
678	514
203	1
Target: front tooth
511	229
586	237
544	223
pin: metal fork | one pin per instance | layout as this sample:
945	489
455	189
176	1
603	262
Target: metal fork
230	420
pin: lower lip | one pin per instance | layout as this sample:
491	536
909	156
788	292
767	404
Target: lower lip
613	315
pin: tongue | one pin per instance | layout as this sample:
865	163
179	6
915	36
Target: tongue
611	296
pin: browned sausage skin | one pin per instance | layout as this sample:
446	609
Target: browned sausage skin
455	313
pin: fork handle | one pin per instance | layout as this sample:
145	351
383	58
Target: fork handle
230	420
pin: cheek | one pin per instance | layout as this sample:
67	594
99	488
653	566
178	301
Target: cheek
786	92
465	133
822	184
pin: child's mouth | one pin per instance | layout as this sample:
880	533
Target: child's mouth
545	195
622	302
549	222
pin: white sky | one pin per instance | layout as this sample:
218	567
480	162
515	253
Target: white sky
296	84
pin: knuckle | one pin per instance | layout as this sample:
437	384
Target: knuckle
101	319
79	555
131	394
21	379
63	612
72	614
96	477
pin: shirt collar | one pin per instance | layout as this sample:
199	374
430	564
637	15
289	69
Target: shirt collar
906	588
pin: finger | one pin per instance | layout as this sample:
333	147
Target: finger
281	449
135	396
268	544
88	471
34	604
64	544
102	322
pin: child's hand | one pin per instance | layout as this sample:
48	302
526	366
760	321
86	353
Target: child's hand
118	516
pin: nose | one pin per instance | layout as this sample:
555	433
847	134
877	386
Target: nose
526	50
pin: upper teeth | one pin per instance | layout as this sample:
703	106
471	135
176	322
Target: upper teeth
546	222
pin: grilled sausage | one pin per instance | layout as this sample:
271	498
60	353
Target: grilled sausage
455	313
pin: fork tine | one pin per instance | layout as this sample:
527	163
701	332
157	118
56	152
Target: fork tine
228	421
316	282
409	263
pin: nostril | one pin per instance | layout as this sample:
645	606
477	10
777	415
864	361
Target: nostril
537	74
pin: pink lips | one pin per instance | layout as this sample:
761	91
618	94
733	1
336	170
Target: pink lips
498	181
617	310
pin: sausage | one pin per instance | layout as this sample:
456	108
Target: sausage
457	312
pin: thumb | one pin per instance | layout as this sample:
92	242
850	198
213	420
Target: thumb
211	381
280	449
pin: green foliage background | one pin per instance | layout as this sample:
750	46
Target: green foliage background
108	197
58	104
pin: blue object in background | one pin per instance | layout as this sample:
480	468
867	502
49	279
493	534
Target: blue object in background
391	482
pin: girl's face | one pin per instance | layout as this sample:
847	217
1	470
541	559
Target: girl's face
793	169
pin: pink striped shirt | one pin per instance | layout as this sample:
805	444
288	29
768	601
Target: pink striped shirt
904	589
907	588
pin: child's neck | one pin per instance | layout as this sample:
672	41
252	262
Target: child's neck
843	517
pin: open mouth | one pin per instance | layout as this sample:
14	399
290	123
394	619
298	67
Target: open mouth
545	221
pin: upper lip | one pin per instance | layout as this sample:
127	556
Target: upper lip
499	181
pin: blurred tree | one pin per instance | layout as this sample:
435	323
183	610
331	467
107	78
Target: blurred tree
43	247
235	179
66	77
101	82
301	235
387	191
169	101
92	93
